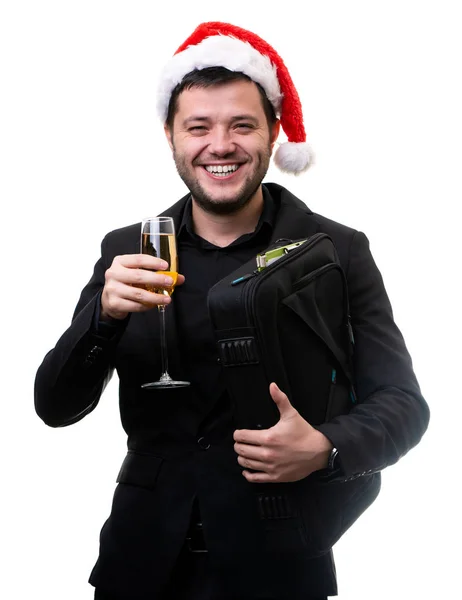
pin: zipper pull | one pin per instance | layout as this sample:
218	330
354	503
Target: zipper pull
353	397
244	278
350	331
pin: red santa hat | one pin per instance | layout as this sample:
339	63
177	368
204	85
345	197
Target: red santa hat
216	44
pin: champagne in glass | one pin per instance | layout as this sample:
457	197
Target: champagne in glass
158	239
162	245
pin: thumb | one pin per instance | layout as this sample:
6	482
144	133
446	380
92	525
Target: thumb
281	400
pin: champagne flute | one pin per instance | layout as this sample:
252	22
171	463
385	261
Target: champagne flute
158	239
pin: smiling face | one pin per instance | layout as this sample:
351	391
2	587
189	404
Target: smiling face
222	144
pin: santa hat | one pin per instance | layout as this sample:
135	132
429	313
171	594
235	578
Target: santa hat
217	44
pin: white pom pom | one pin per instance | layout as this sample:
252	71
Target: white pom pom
293	157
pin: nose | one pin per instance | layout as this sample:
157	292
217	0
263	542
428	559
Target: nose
221	142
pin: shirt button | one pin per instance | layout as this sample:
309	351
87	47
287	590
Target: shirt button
203	443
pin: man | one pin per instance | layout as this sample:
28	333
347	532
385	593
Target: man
184	522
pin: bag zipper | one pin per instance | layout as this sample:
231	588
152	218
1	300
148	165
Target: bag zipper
245	277
256	272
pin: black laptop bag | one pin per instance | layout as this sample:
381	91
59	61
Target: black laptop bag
289	323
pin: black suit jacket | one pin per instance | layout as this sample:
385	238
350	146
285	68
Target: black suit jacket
166	467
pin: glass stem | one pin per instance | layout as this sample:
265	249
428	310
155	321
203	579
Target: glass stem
163	344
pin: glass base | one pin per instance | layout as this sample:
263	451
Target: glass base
167	383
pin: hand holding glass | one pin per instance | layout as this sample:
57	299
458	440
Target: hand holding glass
158	239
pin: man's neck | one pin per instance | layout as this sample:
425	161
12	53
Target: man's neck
222	230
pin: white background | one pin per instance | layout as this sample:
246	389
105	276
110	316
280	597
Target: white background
82	152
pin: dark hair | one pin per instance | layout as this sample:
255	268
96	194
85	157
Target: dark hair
209	77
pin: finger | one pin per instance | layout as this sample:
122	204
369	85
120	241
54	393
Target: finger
116	295
258	477
259	453
255	465
143	278
281	400
143	296
180	279
250	436
141	261
124	306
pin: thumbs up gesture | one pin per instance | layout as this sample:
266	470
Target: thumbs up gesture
290	450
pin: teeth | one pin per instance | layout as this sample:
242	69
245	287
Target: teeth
223	169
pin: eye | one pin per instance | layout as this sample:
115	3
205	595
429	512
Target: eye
197	129
244	127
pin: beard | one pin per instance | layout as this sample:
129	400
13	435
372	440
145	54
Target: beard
224	206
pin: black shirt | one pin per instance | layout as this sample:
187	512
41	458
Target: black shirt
203	264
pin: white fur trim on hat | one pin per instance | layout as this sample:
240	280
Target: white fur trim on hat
293	157
231	53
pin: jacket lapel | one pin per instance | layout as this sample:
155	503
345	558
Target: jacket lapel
294	219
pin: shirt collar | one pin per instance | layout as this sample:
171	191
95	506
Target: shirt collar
267	217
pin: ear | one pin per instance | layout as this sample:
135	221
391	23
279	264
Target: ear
168	135
275	129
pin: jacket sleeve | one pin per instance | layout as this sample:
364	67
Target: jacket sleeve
390	415
72	376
